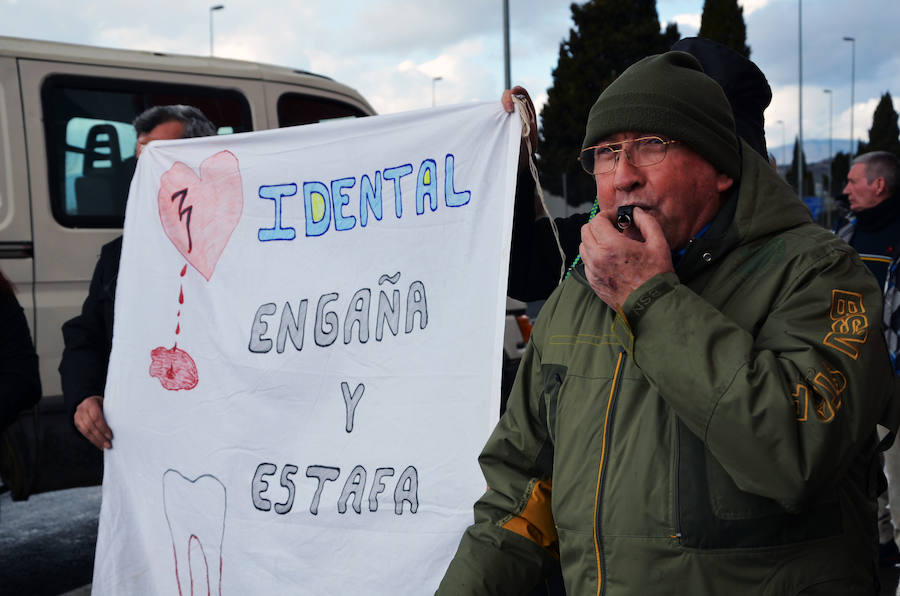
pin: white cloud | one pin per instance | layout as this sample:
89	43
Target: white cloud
446	65
390	49
462	79
139	38
688	23
751	6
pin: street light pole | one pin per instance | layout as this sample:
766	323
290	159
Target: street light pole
852	41
434	81
830	113
212	9
507	72
800	101
828	191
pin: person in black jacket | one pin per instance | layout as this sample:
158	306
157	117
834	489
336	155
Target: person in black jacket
20	382
88	336
534	263
872	227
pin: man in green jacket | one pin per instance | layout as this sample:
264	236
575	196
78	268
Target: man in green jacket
696	410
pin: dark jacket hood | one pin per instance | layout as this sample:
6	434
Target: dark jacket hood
762	204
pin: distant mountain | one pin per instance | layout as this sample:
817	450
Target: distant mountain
815	150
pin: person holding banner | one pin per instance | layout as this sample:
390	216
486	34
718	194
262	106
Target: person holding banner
88	336
20	382
696	409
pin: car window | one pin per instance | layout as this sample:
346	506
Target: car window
91	141
296	108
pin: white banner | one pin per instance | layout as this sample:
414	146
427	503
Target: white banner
306	359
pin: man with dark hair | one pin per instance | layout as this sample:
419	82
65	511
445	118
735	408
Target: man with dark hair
88	336
171	122
696	408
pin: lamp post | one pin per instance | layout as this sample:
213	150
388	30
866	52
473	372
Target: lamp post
506	69
800	99
212	9
852	41
830	112
828	191
434	81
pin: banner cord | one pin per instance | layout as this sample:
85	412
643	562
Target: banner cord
524	112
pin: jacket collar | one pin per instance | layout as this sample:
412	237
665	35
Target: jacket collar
762	204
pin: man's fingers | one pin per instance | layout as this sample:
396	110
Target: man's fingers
507	101
102	427
649	228
519	90
587	235
593	234
97	438
507	98
602	223
92	433
91	423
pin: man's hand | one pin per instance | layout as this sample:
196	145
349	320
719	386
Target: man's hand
90	422
617	263
530	117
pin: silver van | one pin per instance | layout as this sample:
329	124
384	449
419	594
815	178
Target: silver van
66	161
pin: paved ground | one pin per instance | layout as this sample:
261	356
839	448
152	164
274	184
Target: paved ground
47	542
47	545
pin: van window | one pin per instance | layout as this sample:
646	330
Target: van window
295	109
90	139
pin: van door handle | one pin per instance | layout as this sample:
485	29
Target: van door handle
16	250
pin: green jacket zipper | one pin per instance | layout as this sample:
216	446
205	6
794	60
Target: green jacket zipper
675	485
601	472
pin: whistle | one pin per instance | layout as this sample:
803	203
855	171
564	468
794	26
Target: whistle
624	217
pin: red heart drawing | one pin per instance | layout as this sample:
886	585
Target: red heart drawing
199	213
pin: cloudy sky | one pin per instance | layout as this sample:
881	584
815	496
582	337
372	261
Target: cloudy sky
390	50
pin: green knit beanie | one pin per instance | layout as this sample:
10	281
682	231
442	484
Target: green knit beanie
669	94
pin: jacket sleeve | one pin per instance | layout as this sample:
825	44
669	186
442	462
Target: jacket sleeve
87	343
20	382
784	403
891	315
513	543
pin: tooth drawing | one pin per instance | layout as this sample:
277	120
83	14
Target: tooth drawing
195	512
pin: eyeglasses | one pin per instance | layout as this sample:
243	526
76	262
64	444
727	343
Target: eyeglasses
644	151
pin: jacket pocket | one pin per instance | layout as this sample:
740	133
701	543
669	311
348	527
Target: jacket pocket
713	513
553	376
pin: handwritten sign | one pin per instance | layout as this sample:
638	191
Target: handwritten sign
306	357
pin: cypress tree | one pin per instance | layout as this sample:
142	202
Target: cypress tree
791	175
608	36
723	21
884	134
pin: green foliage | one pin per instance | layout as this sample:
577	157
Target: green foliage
791	175
723	21
608	36
884	134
